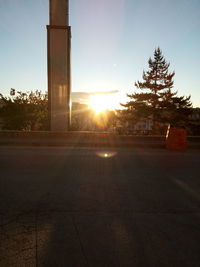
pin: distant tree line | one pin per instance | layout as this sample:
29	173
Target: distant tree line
29	112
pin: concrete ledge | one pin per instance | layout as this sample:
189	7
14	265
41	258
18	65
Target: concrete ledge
86	139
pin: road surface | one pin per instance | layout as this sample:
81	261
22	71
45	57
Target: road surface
102	207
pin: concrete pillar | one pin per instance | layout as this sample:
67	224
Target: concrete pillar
59	46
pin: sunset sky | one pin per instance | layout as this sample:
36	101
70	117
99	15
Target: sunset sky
111	43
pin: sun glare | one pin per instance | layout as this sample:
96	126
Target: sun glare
102	102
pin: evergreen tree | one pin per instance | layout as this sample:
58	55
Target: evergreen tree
154	98
175	110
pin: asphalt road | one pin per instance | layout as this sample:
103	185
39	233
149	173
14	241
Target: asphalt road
77	207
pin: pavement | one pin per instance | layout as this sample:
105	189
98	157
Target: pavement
99	207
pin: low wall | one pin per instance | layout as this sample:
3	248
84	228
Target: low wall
85	139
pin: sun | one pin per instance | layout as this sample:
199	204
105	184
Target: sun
101	102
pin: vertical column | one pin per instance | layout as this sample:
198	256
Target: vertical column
59	69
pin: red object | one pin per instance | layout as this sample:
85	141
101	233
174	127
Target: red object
176	139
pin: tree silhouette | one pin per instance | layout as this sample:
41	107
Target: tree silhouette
24	111
154	98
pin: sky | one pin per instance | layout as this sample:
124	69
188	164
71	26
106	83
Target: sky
112	41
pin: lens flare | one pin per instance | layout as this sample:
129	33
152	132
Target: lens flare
106	154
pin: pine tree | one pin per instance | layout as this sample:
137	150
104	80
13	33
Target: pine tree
175	110
154	98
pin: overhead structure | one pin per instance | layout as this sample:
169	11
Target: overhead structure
59	65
